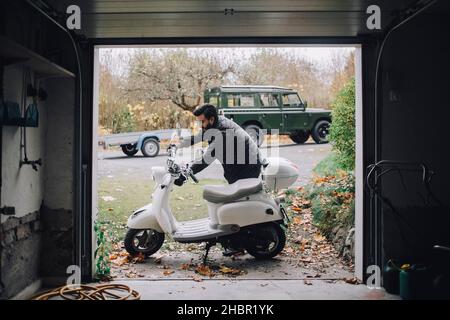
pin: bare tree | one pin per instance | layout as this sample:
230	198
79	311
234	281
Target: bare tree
275	67
341	69
175	75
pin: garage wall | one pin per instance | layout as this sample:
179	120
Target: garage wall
57	209
414	121
36	244
23	189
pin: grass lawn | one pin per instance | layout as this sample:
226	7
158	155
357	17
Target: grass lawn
119	196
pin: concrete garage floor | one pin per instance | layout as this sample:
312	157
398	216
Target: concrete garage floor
253	290
184	266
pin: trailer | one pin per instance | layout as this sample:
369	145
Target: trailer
148	142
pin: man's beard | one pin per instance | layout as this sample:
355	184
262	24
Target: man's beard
209	126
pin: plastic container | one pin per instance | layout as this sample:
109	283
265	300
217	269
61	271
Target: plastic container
391	277
280	173
11	114
415	283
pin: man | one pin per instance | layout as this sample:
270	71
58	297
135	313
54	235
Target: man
228	143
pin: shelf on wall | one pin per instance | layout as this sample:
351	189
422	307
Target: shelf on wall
13	53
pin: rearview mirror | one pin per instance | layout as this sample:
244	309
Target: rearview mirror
305	104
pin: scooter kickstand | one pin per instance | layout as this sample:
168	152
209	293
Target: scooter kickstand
208	247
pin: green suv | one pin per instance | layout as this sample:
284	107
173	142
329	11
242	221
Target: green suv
261	109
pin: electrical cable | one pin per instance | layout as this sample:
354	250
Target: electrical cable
89	292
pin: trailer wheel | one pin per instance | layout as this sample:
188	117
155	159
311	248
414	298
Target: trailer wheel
129	149
150	148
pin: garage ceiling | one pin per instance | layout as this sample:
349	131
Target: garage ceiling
214	18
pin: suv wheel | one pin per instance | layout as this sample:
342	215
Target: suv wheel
299	136
254	133
320	131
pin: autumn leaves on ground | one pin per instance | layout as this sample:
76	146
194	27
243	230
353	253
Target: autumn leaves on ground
307	255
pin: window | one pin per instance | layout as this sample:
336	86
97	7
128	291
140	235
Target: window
247	100
214	100
232	100
240	100
269	100
291	100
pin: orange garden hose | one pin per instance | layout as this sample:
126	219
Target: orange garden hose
88	292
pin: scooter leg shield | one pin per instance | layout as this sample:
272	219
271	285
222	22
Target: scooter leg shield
144	218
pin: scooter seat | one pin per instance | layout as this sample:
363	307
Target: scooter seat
232	192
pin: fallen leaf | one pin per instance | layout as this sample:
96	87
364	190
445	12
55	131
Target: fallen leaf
186	266
307	282
204	270
318	237
227	270
139	258
352	280
288	250
297	220
298	240
168	272
120	262
113	256
296	209
307	259
197	278
123	253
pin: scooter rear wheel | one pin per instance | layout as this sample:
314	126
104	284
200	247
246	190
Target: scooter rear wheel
146	241
267	241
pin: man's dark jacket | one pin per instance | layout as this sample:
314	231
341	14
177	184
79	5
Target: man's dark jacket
232	146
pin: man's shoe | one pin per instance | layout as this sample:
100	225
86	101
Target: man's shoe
232	252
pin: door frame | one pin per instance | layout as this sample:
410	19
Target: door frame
88	134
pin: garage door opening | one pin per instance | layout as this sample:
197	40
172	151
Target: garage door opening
143	96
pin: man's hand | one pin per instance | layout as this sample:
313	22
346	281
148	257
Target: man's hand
180	180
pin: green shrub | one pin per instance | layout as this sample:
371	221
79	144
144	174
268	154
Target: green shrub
332	200
101	254
122	121
328	166
342	130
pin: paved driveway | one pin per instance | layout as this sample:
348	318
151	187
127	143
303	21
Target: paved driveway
306	156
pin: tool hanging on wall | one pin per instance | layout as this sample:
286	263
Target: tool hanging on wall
30	119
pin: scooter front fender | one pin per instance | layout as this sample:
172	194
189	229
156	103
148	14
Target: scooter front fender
144	218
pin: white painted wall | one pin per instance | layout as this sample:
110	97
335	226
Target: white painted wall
23	188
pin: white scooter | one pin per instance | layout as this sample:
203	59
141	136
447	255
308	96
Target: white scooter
242	215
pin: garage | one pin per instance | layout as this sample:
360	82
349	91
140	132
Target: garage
49	161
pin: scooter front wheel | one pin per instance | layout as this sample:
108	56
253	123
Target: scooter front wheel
266	241
146	241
